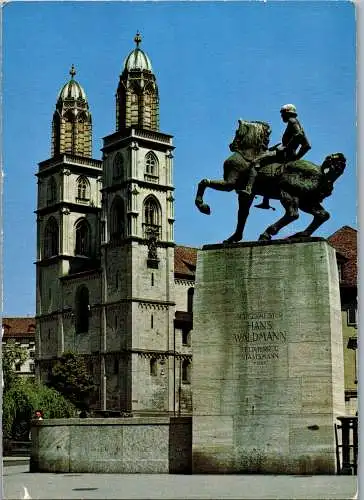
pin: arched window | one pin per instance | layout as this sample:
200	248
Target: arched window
116	365
83	189
103	230
186	337
82	308
186	371
118	167
147	112
82	117
190	293
51	238
117	219
133	98
153	367
70	116
51	190
152	217
151	166
83	238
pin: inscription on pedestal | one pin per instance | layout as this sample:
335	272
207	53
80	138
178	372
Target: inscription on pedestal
261	328
260	353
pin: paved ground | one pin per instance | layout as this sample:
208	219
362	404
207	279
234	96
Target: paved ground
160	487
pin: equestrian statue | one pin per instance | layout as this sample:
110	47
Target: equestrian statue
277	173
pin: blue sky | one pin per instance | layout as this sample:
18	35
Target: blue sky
215	62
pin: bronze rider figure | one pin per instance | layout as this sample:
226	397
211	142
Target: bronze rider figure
294	137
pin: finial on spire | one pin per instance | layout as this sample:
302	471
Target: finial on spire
138	39
72	71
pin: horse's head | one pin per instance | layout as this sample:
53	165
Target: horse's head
333	166
253	136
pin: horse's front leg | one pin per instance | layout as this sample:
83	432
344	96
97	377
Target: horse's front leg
243	212
218	185
203	207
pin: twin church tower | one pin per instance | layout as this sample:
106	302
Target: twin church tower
111	283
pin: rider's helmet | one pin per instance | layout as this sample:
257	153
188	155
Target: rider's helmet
290	109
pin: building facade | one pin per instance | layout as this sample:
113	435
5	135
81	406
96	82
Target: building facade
345	243
112	284
22	332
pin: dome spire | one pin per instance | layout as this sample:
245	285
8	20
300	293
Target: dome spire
138	39
137	100
72	124
72	72
137	59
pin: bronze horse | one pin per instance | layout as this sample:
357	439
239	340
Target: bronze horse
298	185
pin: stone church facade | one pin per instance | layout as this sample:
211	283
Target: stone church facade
111	282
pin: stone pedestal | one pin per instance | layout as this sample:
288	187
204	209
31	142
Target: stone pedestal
268	376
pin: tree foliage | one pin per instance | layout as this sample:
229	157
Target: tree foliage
71	378
23	398
12	354
23	395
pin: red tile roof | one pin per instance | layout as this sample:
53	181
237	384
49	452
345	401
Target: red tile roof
19	327
185	261
345	242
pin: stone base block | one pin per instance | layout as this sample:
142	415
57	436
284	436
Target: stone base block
267	377
145	445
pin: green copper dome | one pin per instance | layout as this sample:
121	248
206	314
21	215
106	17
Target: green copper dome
72	89
137	59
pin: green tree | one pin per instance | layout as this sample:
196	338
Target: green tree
23	398
12	354
71	378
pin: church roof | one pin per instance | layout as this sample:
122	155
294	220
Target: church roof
344	240
137	59
72	89
185	261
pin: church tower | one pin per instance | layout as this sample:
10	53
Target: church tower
68	209
138	246
137	100
72	123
